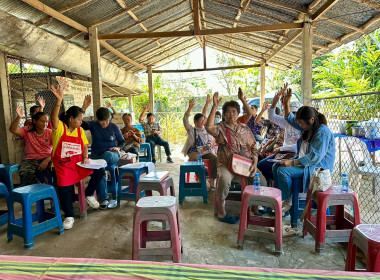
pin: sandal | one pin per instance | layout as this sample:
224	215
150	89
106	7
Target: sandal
229	219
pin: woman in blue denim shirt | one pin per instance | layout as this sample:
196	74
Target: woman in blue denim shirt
315	148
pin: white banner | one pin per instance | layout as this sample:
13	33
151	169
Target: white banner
74	92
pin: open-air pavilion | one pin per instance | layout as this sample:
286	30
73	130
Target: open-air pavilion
106	43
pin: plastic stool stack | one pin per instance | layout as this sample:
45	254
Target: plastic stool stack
316	226
159	181
366	237
24	227
153	208
133	173
270	197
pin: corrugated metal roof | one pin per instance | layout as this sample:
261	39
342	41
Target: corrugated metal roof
344	22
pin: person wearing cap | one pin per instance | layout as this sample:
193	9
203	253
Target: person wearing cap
152	131
291	134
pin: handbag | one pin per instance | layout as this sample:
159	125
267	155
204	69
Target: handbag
320	181
238	165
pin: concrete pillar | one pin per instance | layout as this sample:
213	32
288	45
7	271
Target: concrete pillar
151	91
96	71
131	111
7	145
262	83
307	60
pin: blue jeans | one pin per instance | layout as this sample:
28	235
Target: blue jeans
283	177
266	168
111	158
258	138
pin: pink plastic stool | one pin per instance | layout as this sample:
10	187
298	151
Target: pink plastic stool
367	238
159	181
242	182
266	196
153	208
82	200
207	165
344	223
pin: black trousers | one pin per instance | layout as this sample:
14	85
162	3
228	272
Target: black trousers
157	140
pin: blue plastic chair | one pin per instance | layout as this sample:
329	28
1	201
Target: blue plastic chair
192	189
133	175
112	184
6	171
24	227
148	157
4	214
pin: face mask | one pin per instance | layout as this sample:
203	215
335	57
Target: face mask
216	121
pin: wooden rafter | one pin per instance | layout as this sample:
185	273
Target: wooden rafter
243	7
47	19
208	69
59	16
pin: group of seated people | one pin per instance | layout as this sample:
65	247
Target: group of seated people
60	144
53	149
301	133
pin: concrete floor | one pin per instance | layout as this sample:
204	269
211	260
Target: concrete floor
108	234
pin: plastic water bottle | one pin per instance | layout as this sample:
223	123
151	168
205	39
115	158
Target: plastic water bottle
199	157
256	182
344	183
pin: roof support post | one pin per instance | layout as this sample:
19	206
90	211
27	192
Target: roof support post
151	92
262	83
7	151
307	60
130	102
204	54
96	71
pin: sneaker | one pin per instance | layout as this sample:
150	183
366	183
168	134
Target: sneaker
169	160
92	202
112	204
104	204
68	223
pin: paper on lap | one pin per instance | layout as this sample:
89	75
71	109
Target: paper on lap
94	164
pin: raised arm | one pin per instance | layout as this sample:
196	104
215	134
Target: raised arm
14	125
109	105
263	109
187	114
287	98
41	102
86	102
54	113
210	126
272	116
246	106
142	116
205	108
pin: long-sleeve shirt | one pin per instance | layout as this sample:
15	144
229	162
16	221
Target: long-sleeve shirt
201	133
320	151
150	128
103	138
242	142
291	134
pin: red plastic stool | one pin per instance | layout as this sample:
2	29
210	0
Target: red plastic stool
231	199
207	166
266	196
367	238
153	208
344	223
159	181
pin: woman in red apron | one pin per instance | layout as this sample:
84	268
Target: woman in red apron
69	148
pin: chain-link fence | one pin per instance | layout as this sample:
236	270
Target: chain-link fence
172	126
355	121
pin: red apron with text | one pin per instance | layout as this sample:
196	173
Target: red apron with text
68	152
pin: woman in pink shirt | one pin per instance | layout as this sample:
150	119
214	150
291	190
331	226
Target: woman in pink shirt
38	146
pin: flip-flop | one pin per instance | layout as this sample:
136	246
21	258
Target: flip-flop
229	219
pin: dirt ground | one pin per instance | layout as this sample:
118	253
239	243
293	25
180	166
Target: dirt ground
108	234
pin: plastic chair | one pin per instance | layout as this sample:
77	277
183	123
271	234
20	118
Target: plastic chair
24	226
367	238
4	214
133	174
145	147
155	208
192	189
6	171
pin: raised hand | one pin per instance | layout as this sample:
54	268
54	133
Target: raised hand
87	101
284	87
216	100
108	104
265	105
41	101
147	107
288	96
57	92
19	111
191	103
277	97
241	95
208	99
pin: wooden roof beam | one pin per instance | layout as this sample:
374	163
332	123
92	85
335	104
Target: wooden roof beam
208	69
205	32
369	3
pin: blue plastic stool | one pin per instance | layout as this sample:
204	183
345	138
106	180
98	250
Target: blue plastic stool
24	227
148	157
192	189
133	175
6	171
112	184
4	214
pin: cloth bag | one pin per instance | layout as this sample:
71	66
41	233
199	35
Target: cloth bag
238	165
320	181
